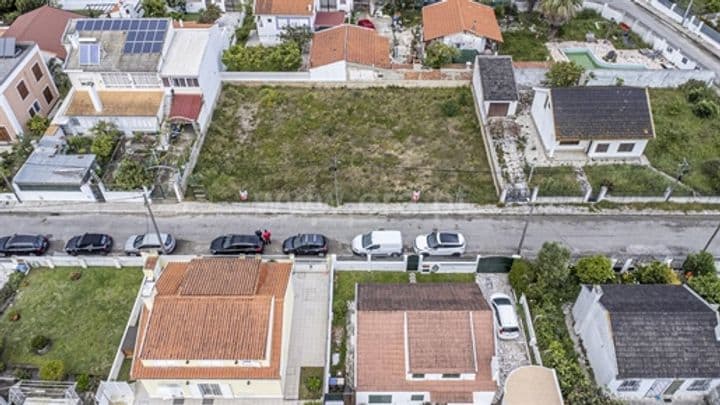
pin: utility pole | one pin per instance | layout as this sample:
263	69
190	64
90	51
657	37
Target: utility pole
334	169
707	245
525	228
155	225
9	185
687	11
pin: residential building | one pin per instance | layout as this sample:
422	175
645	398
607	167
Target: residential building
273	16
348	52
532	385
597	122
26	87
106	8
494	86
135	72
465	24
649	341
214	328
424	343
44	26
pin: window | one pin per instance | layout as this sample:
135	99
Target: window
116	80
32	112
626	147
418	397
47	93
684	60
699	385
418	376
328	5
89	54
451	376
166	82
565	143
23	90
602	147
36	106
37	72
49	187
193	83
629	386
269	20
145	80
4	135
210	390
380	399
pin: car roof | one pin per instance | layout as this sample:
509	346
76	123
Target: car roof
91	238
238	239
23	238
449	237
151	238
386	237
311	238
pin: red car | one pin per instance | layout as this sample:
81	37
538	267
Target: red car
366	23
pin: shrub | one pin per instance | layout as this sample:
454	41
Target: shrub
3	367
594	270
707	286
656	273
626	278
520	276
699	264
450	108
14	315
9	289
248	24
79	144
300	35
564	74
82	383
438	54
75	275
210	14
706	109
314	385
711	169
131	175
37	125
53	370
22	374
39	342
105	137
285	57
154	8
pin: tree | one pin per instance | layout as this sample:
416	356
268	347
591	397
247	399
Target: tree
248	24
131	175
656	273
154	8
564	74
301	36
210	14
285	57
37	125
699	264
594	270
105	137
438	54
23	6
520	276
53	370
707	286
180	5
558	12
552	271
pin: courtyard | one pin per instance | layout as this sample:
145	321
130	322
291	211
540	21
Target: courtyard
339	145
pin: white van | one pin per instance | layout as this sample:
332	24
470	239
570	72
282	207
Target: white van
378	243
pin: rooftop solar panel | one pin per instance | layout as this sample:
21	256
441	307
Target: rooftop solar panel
144	24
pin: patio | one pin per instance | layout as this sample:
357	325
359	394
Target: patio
602	48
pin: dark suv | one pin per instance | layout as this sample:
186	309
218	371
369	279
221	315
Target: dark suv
236	244
89	243
24	245
306	244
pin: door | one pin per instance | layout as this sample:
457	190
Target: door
4	135
413	262
498	109
495	264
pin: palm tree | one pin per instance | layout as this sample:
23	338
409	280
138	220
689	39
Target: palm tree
558	12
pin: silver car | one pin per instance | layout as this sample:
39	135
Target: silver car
149	243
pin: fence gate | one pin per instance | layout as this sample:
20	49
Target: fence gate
413	263
495	264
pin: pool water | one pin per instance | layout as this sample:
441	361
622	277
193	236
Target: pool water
583	59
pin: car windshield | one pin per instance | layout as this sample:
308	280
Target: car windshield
237	241
510	329
306	241
432	240
502	301
367	240
90	239
138	241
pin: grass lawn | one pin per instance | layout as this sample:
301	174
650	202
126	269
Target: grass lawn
307	375
84	319
682	135
556	181
344	292
629	180
278	143
525	46
590	21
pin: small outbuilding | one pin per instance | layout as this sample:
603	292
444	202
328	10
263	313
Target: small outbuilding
494	86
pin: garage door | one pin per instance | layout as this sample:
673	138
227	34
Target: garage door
495	264
498	109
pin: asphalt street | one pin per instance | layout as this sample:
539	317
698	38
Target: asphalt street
620	236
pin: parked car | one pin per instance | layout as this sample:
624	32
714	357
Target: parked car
149	243
378	243
306	244
24	245
89	243
236	244
440	244
505	316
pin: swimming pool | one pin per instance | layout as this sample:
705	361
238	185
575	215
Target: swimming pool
585	58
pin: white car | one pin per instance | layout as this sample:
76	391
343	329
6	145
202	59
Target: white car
505	317
149	243
440	244
378	243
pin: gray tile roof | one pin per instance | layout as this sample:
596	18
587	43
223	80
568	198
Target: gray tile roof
662	331
421	297
497	78
602	112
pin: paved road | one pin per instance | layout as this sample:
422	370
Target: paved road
625	235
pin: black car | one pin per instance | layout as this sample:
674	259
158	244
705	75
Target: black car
236	244
24	245
306	244
89	243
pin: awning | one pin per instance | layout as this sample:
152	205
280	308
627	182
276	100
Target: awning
185	107
327	19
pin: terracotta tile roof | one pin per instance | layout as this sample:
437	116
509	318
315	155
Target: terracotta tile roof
420	297
440	342
221	276
186	107
207	328
284	7
351	43
117	104
44	25
455	16
324	19
170	278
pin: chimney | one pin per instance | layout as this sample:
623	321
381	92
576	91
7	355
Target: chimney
95	98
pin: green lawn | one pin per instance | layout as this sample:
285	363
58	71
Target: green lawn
279	144
525	46
84	319
682	135
310	373
590	21
344	292
629	180
556	181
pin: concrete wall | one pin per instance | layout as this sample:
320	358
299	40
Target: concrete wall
464	40
613	152
592	324
165	389
398	398
531	77
288	308
269	27
542	116
334	72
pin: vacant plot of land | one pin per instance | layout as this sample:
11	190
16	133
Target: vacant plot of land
590	21
630	180
525	46
280	144
681	135
84	319
556	181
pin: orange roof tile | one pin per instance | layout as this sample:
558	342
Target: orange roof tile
351	43
455	16
284	7
45	26
221	276
170	278
440	342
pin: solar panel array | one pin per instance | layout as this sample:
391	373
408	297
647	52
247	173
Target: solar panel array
144	35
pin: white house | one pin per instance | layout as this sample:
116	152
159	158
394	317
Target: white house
494	86
465	24
423	343
649	341
273	16
348	52
598	122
